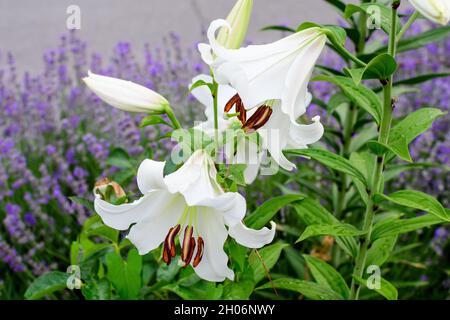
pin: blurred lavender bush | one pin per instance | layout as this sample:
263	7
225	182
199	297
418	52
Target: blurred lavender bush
55	136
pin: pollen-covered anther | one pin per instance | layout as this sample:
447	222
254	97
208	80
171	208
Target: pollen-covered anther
169	249
236	102
187	243
171	239
258	119
190	253
167	258
199	254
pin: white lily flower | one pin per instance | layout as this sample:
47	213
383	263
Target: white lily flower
126	95
277	134
191	203
260	73
437	11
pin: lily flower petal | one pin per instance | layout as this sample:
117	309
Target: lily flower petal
437	11
149	233
126	95
252	238
121	217
196	179
214	262
150	176
230	205
280	133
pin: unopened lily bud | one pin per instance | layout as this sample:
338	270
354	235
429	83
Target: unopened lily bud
126	95
238	20
437	11
105	186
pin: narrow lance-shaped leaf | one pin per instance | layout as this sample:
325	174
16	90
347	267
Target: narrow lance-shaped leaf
312	213
412	126
421	79
386	289
47	284
414	42
380	67
326	275
330	160
416	200
310	290
380	250
395	227
269	256
359	94
278	28
265	212
335	230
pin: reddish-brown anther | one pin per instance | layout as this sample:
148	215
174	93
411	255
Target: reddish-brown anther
191	253
199	254
236	102
171	239
185	249
258	119
167	258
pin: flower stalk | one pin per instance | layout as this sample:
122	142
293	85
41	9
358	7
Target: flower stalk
378	173
171	115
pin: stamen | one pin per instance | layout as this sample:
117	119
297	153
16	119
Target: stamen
191	253
236	102
258	119
185	249
242	112
230	104
171	239
166	248
199	254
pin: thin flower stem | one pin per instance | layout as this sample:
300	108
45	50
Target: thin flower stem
377	185
344	52
407	25
363	31
171	115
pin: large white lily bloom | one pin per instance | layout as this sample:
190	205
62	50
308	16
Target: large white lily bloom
191	203
437	11
278	134
277	71
126	95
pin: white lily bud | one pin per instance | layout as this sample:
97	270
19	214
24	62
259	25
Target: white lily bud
238	19
126	95
437	11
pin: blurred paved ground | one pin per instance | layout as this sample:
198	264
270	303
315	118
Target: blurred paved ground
29	27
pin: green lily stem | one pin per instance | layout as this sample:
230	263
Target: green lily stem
344	52
408	24
377	184
363	31
171	115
